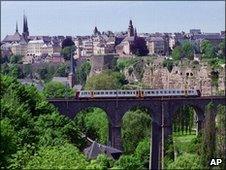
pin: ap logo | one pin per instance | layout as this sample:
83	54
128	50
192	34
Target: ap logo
215	162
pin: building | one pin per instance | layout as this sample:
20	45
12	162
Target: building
126	47
156	45
195	31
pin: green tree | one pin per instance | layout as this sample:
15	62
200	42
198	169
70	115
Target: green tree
222	48
207	49
66	52
16	59
43	73
176	53
168	64
106	80
143	152
128	162
221	135
94	124
53	157
188	50
8	143
208	136
186	161
136	127
62	70
83	72
56	89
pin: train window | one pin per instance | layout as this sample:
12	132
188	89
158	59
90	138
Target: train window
123	92
161	92
119	92
149	92
182	91
127	92
98	92
157	92
110	92
102	92
94	93
115	92
165	92
178	91
153	92
173	91
106	92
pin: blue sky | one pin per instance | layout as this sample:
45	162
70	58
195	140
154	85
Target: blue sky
79	18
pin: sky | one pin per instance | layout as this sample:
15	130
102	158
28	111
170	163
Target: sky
80	18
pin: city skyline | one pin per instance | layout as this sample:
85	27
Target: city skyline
82	17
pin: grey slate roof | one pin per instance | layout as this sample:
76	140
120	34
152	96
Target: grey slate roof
95	149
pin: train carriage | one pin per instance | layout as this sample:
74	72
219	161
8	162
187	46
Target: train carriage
138	93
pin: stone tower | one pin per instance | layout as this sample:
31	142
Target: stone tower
25	28
130	29
71	76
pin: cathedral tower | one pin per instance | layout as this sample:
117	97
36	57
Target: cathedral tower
25	27
130	29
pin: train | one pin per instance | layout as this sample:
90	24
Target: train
146	93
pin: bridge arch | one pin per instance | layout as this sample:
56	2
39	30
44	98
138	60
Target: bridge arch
94	122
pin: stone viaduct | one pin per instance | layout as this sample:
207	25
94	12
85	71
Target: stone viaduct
161	111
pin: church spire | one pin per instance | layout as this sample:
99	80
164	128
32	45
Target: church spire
16	27
25	27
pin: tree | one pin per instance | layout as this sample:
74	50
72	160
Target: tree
9	141
208	136
221	135
15	71
16	59
207	49
53	157
55	89
222	48
62	70
186	161
67	52
106	80
168	64
143	152
94	124
43	73
176	53
136	126
188	50
83	72
128	162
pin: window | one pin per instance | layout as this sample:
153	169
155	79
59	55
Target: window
165	92
153	92
102	92
110	92
178	92
173	91
182	91
115	92
161	92
157	92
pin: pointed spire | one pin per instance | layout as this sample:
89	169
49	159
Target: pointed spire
130	23
135	32
16	27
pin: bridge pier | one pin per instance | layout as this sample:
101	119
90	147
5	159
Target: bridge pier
115	137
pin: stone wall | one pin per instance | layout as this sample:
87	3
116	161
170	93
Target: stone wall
181	77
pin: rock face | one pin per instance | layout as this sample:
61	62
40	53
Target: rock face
181	77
